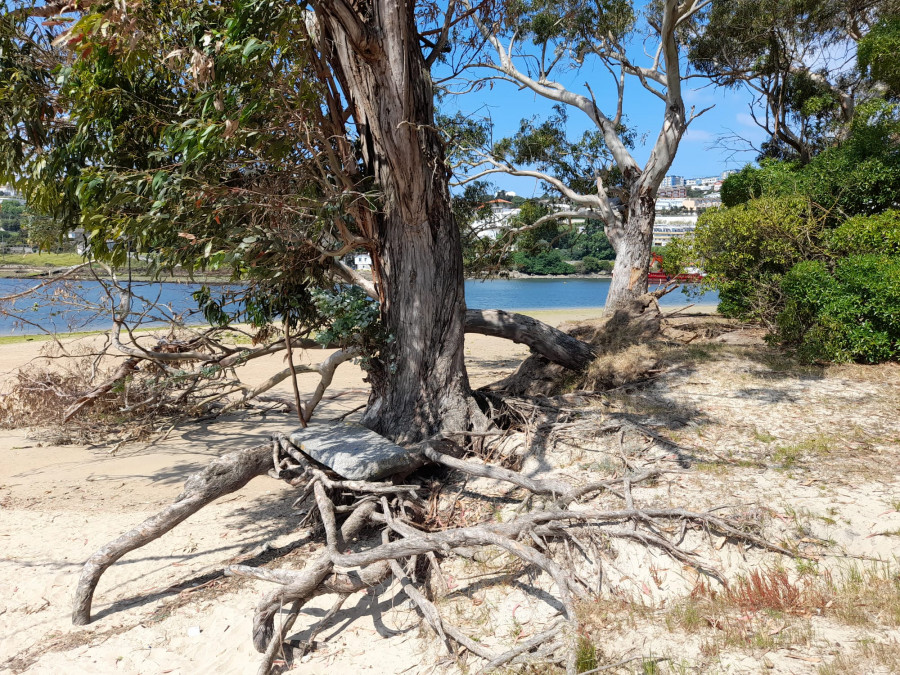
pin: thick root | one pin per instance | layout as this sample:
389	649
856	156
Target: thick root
224	475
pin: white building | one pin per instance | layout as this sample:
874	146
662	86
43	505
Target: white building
666	203
667	228
502	213
362	261
7	193
673	181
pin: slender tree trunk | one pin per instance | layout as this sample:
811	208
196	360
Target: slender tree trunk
632	244
419	385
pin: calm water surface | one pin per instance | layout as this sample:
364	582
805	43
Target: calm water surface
62	313
555	294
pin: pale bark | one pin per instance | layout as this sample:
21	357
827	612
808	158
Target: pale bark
633	247
630	233
224	475
549	342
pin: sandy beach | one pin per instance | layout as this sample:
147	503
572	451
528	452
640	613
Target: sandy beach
166	609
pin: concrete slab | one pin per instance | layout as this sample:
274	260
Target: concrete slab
354	452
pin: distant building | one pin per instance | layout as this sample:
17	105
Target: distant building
667	203
362	261
673	181
677	192
667	228
728	172
490	225
7	193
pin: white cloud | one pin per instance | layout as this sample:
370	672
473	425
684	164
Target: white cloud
694	135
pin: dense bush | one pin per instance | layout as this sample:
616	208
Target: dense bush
593	265
849	314
861	175
867	234
746	250
544	262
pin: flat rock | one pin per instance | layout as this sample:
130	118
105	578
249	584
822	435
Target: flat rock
354	452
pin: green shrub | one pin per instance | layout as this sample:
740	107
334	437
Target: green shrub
545	262
592	265
877	53
867	234
860	175
746	250
849	314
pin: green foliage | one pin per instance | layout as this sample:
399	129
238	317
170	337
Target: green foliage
592	241
543	262
861	175
572	21
533	239
849	314
544	144
350	317
593	265
878	54
189	138
678	255
783	48
879	234
745	251
11	215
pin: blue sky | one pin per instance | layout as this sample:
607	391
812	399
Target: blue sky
697	155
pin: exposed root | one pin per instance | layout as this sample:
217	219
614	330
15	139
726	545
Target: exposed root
561	533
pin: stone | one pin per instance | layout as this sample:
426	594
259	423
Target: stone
354	452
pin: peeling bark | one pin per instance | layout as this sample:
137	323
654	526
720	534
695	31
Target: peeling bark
420	385
633	248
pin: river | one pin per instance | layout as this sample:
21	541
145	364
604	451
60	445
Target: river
61	312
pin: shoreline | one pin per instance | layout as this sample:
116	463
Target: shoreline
550	315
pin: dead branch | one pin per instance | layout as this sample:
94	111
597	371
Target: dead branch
127	367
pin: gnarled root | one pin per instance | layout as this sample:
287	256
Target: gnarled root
564	518
224	475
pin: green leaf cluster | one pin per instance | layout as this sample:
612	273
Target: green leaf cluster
878	54
860	175
850	312
180	133
543	262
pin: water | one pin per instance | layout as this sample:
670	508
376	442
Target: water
60	311
556	294
85	305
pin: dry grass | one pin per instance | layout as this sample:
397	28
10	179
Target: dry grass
768	610
37	398
865	596
866	658
614	369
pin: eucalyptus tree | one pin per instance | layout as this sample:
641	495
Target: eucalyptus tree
269	138
798	58
601	178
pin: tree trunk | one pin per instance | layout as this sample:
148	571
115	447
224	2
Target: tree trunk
632	247
419	383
